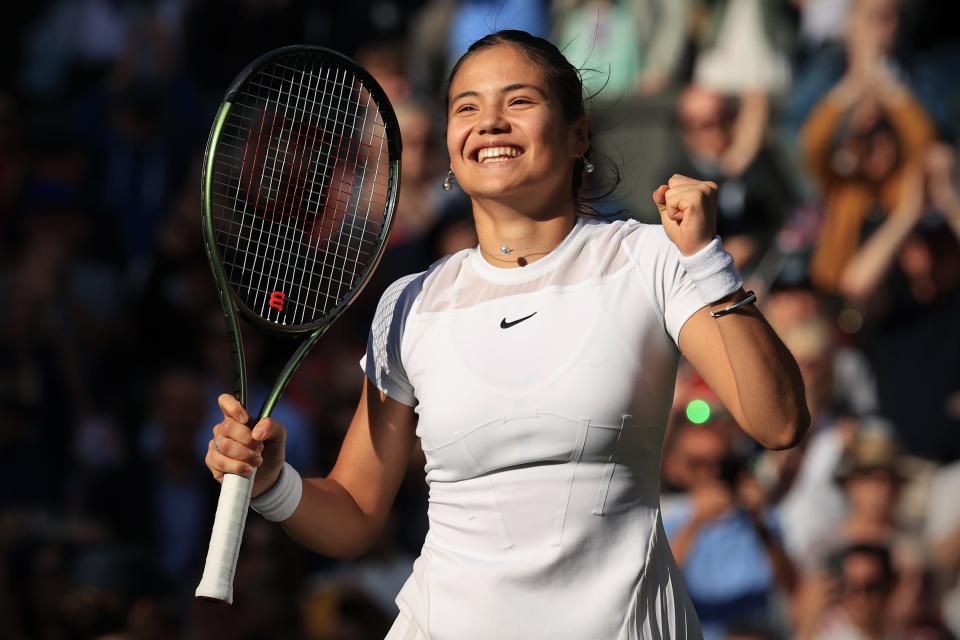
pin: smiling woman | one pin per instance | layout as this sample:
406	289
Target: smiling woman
537	370
508	138
550	83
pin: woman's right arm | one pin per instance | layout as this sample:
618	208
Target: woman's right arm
341	515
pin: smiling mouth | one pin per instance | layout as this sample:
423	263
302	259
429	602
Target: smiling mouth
488	155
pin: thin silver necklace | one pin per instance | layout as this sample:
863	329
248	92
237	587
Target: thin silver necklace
520	260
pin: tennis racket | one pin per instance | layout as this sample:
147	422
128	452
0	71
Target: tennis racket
300	181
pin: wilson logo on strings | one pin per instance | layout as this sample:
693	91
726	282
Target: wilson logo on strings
277	300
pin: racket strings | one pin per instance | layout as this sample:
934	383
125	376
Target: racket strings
301	182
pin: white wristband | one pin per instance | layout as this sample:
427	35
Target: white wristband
712	271
278	503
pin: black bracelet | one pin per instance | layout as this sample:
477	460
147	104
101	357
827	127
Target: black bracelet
750	299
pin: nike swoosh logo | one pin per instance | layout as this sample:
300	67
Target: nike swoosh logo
506	325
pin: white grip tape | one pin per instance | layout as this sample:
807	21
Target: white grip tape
221	565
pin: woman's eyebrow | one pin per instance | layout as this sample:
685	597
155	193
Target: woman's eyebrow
465	94
522	85
507	89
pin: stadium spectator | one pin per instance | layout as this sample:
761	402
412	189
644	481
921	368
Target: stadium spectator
850	602
755	198
869	33
857	143
742	49
905	279
723	537
872	473
917	41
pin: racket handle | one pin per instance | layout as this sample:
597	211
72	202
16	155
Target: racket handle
221	564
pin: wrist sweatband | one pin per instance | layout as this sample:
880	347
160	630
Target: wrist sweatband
278	503
712	272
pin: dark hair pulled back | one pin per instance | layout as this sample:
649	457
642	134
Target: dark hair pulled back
566	86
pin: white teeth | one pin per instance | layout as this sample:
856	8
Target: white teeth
497	154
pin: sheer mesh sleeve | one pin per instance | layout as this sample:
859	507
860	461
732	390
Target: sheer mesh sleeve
382	362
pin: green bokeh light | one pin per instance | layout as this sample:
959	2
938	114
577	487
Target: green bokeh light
698	411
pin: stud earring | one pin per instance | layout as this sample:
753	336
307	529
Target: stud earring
448	181
587	165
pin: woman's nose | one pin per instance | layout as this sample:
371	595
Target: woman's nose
493	122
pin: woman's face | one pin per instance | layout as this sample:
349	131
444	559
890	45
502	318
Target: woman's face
864	590
873	492
506	134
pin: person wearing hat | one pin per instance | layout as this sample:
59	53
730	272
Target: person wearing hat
871	475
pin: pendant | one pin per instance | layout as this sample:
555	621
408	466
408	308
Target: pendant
505	250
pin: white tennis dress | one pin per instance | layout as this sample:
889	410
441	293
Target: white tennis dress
542	393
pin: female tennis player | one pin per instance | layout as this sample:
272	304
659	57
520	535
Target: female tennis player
537	369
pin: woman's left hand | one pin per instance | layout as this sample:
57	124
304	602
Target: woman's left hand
688	209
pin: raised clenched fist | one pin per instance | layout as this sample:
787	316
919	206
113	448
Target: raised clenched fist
688	210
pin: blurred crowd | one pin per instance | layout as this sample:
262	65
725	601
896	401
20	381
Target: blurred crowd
831	127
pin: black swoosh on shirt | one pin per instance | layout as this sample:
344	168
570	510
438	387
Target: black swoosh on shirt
506	325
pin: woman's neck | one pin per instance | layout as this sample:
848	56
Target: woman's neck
511	238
